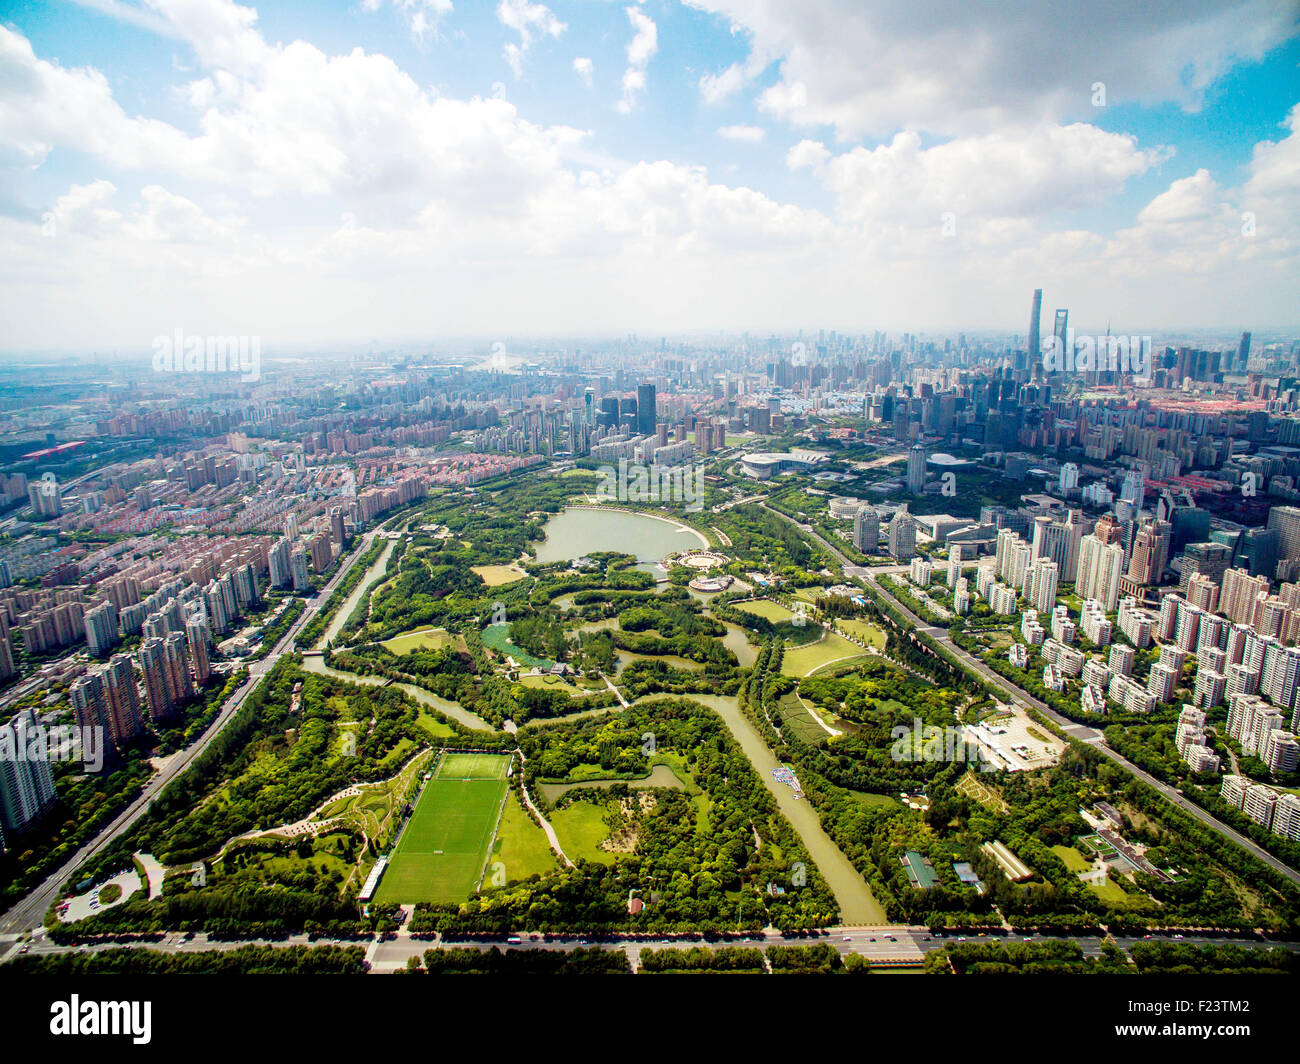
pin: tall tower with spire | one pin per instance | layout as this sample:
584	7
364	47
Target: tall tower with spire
1035	345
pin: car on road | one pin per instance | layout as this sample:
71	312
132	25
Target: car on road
847	939
514	940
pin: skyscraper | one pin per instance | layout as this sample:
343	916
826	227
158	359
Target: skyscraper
645	409
101	628
197	637
278	563
1209	559
90	703
1100	565
1134	487
1150	551
1035	344
125	720
902	536
1041	583
916	470
866	530
26	783
159	679
298	569
1059	331
1286	520
608	412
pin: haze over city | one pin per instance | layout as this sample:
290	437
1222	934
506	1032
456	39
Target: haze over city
386	171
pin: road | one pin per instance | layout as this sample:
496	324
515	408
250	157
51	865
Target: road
1083	733
30	911
887	943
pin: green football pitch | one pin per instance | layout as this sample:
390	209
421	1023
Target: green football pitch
445	845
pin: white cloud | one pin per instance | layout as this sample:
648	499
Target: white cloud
750	134
530	21
44	106
1197	227
808	155
82	209
1021	174
718	88
465	215
164	217
421	16
957	66
644	45
582	66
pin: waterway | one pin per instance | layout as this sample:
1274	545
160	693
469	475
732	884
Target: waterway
660	776
579	530
447	708
372	575
857	904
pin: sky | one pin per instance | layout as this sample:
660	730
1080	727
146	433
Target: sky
326	171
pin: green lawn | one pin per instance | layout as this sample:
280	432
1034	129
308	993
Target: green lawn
767	609
436	727
425	639
520	845
472	766
1110	891
799	719
864	630
498	575
805	660
580	827
554	683
445	844
1072	858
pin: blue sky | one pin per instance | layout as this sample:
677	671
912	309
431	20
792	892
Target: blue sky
185	159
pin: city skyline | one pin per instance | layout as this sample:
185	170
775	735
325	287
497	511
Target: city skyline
650	487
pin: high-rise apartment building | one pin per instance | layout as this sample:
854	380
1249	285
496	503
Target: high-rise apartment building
902	536
1286	521
26	783
1100	566
866	530
916	470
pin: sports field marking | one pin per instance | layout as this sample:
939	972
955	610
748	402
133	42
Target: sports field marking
443	849
459	766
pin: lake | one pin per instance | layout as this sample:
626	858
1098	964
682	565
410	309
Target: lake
577	531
